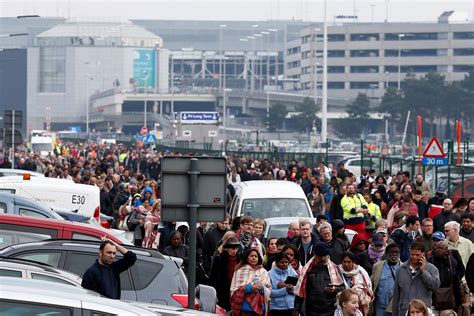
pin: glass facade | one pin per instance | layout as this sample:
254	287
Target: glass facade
463	68
412	68
463	35
336	69
365	69
52	69
411	36
336	85
463	52
412	52
364	85
365	37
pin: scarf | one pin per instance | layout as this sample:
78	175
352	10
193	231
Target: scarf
231	263
375	254
245	239
361	283
246	275
334	276
339	312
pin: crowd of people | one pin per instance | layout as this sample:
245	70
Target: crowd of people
402	258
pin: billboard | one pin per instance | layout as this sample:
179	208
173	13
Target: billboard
144	64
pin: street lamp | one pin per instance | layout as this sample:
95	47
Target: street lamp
221	27
88	77
399	61
386	79
268	58
316	65
145	75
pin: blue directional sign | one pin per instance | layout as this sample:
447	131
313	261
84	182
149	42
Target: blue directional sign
434	161
149	139
199	117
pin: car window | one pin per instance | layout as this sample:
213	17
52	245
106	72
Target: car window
144	273
3	207
78	263
275	207
51	258
53	233
10	273
27	212
84	237
50	278
6	239
30	308
278	231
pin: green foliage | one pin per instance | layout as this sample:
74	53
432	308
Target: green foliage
307	117
358	112
277	116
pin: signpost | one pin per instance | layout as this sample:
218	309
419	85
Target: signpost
434	154
199	117
193	189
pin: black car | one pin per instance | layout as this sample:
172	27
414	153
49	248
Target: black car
154	278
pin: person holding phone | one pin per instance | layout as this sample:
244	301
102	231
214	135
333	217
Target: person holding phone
415	278
283	279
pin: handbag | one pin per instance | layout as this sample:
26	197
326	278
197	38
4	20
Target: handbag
443	297
131	226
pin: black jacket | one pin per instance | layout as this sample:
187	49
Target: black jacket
211	239
442	218
305	257
467	234
450	274
336	210
337	246
422	209
218	279
106	280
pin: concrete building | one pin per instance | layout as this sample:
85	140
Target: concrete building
369	57
72	60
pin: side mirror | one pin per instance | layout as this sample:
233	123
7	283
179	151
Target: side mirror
208	298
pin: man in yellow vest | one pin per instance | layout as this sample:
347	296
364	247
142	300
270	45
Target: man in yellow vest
373	216
355	210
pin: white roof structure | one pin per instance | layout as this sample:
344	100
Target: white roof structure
95	32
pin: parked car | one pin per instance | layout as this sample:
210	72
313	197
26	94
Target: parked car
278	227
27	269
353	164
154	278
59	228
4	172
263	199
11	237
36	297
14	204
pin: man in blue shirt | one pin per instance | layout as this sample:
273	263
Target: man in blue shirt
383	280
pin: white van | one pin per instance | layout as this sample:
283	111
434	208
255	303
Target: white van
273	198
56	193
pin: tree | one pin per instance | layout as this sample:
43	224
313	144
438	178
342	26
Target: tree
391	106
307	116
277	116
358	112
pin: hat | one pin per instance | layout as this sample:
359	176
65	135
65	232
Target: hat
438	236
377	239
321	249
337	224
382	230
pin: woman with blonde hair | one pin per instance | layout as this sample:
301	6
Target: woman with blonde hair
418	308
347	303
220	248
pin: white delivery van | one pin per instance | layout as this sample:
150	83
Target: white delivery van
272	198
56	193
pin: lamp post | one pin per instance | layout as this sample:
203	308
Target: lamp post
145	75
252	65
276	56
386	79
221	27
324	107
259	59
399	57
88	77
245	72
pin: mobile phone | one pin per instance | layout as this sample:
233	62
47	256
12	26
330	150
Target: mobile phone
291	280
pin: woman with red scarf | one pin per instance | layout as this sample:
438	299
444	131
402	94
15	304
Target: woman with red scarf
251	287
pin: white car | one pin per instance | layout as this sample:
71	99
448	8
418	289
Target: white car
353	165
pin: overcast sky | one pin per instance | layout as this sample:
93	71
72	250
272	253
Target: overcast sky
399	10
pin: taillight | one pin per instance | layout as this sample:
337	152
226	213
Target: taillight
105	224
97	213
182	299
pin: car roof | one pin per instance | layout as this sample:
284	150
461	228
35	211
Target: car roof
83	245
38	290
24	200
30	265
54	223
270	188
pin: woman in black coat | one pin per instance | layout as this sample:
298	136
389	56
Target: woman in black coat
222	270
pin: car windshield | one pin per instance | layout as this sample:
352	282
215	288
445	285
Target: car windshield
275	207
277	231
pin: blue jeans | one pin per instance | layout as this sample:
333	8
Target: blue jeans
379	311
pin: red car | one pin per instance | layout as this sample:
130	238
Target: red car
53	228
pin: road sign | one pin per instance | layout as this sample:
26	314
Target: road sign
199	117
211	188
427	161
434	149
149	139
